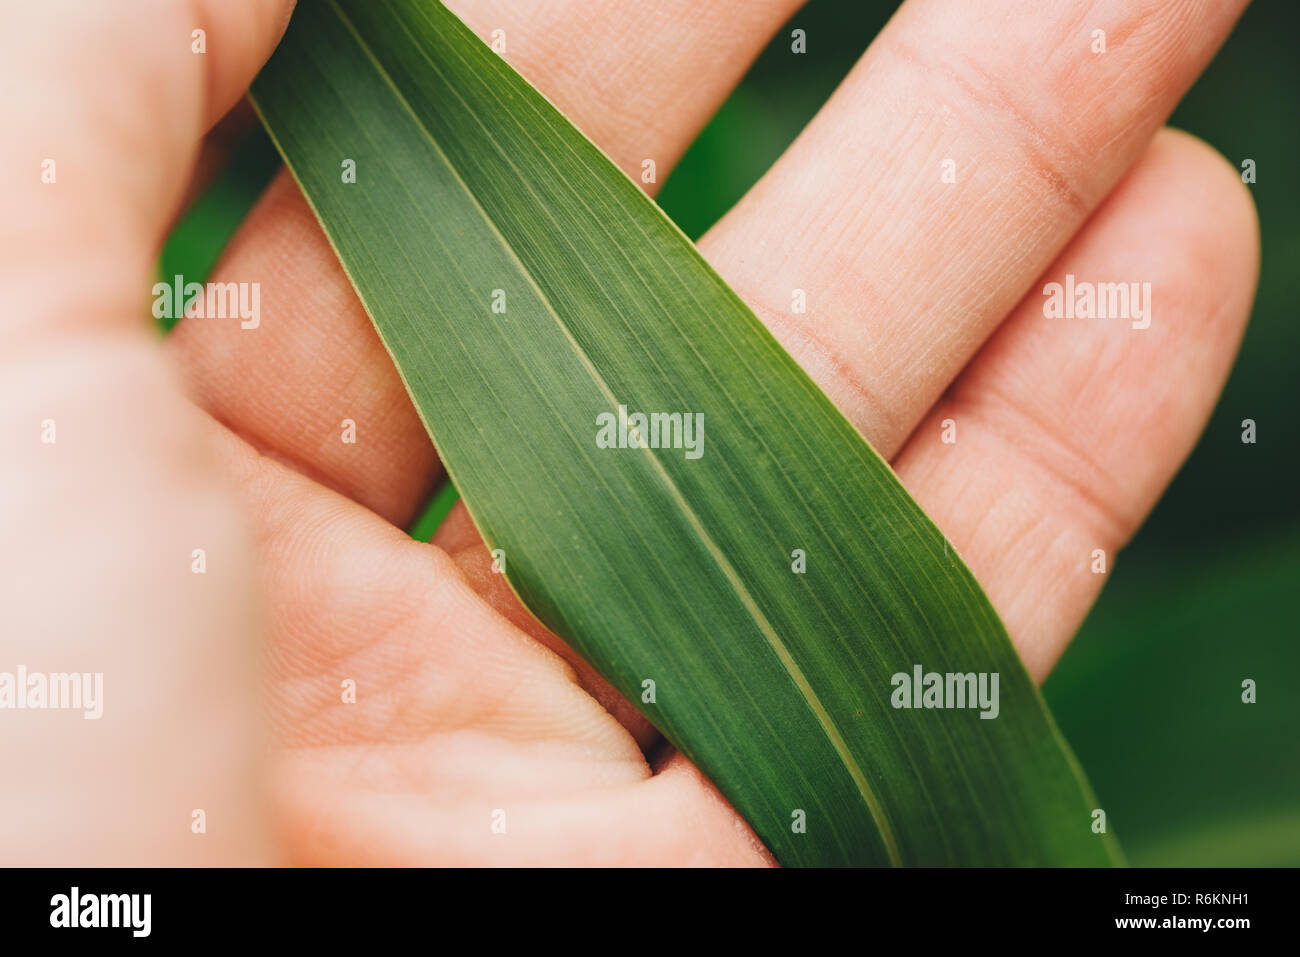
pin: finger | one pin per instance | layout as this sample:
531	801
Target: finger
316	361
904	274
397	687
352	597
240	37
95	175
1068	430
108	498
311	385
674	819
100	102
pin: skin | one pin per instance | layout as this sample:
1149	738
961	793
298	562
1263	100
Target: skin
222	690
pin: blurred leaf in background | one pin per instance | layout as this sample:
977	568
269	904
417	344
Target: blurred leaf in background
1149	694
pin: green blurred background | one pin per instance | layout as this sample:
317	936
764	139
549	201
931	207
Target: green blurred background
1149	694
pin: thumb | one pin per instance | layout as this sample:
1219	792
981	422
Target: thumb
105	105
130	618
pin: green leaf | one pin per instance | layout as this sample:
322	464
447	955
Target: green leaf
654	564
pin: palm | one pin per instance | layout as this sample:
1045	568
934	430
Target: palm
466	740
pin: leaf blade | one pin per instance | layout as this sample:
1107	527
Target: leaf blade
610	305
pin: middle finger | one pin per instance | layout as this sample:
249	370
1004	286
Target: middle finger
946	173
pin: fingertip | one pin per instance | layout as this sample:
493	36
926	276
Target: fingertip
240	37
1212	204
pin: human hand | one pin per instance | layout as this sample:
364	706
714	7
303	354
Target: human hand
926	305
